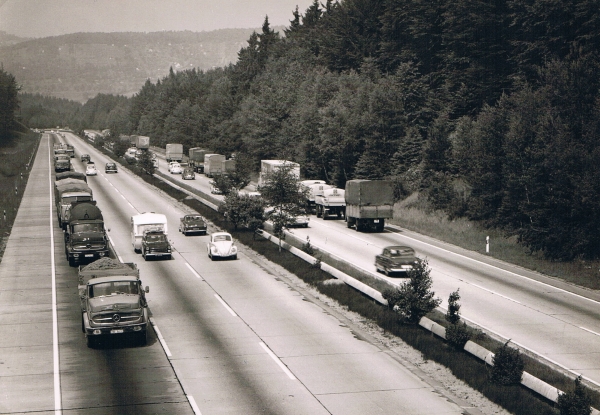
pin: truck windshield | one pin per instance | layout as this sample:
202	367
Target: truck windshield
113	288
87	227
70	199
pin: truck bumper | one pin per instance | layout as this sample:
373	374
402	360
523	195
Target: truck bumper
101	331
80	257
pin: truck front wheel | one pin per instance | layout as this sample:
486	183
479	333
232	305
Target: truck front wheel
91	341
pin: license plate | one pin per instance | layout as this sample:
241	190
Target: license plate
89	255
376	221
116	331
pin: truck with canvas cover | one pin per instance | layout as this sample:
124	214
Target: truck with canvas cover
369	203
269	166
331	202
144	222
213	164
174	152
112	301
67	191
196	158
71	174
85	237
142	142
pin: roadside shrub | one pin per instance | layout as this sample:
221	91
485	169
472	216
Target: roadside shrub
508	366
458	335
453	315
307	247
575	402
413	299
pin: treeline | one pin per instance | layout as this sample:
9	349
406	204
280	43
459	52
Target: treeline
9	104
488	108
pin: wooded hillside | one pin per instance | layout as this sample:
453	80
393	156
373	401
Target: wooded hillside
489	108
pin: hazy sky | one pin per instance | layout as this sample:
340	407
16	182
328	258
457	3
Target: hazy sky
41	18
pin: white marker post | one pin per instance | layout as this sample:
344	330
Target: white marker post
487	244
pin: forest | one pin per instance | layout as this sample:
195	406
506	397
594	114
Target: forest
489	109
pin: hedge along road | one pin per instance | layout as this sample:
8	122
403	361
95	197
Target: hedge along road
555	320
241	340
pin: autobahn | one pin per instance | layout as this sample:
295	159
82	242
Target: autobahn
228	336
557	321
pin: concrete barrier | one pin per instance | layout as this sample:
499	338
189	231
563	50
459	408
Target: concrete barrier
480	352
547	391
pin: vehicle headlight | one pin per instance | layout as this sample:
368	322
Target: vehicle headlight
233	249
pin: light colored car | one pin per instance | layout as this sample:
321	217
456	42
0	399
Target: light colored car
221	246
396	259
90	170
175	168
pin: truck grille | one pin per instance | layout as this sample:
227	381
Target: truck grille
112	318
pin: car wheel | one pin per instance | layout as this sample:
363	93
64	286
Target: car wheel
72	262
185	233
235	256
82	324
142	338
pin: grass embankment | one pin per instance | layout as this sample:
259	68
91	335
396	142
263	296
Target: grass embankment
461	232
516	399
16	154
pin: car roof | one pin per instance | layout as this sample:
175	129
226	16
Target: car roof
220	233
399	247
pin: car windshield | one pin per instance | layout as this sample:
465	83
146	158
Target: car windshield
155	237
87	227
401	251
221	238
70	199
194	218
114	288
110	166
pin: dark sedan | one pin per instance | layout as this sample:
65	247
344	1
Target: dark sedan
396	259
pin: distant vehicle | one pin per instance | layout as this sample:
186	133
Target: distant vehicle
395	259
368	204
269	166
174	152
192	224
188	174
221	246
90	169
155	244
110	168
299	221
175	168
155	162
85	158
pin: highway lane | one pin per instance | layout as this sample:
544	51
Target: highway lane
550	318
538	313
239	338
118	377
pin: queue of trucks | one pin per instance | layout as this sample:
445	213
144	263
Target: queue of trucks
111	294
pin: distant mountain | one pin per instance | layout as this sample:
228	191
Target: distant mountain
81	65
6	39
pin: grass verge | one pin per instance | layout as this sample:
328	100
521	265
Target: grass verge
469	235
16	156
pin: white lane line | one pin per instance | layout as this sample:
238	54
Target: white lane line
493	292
278	361
225	305
194	271
161	339
194	406
55	354
114	248
590	331
501	269
533	351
